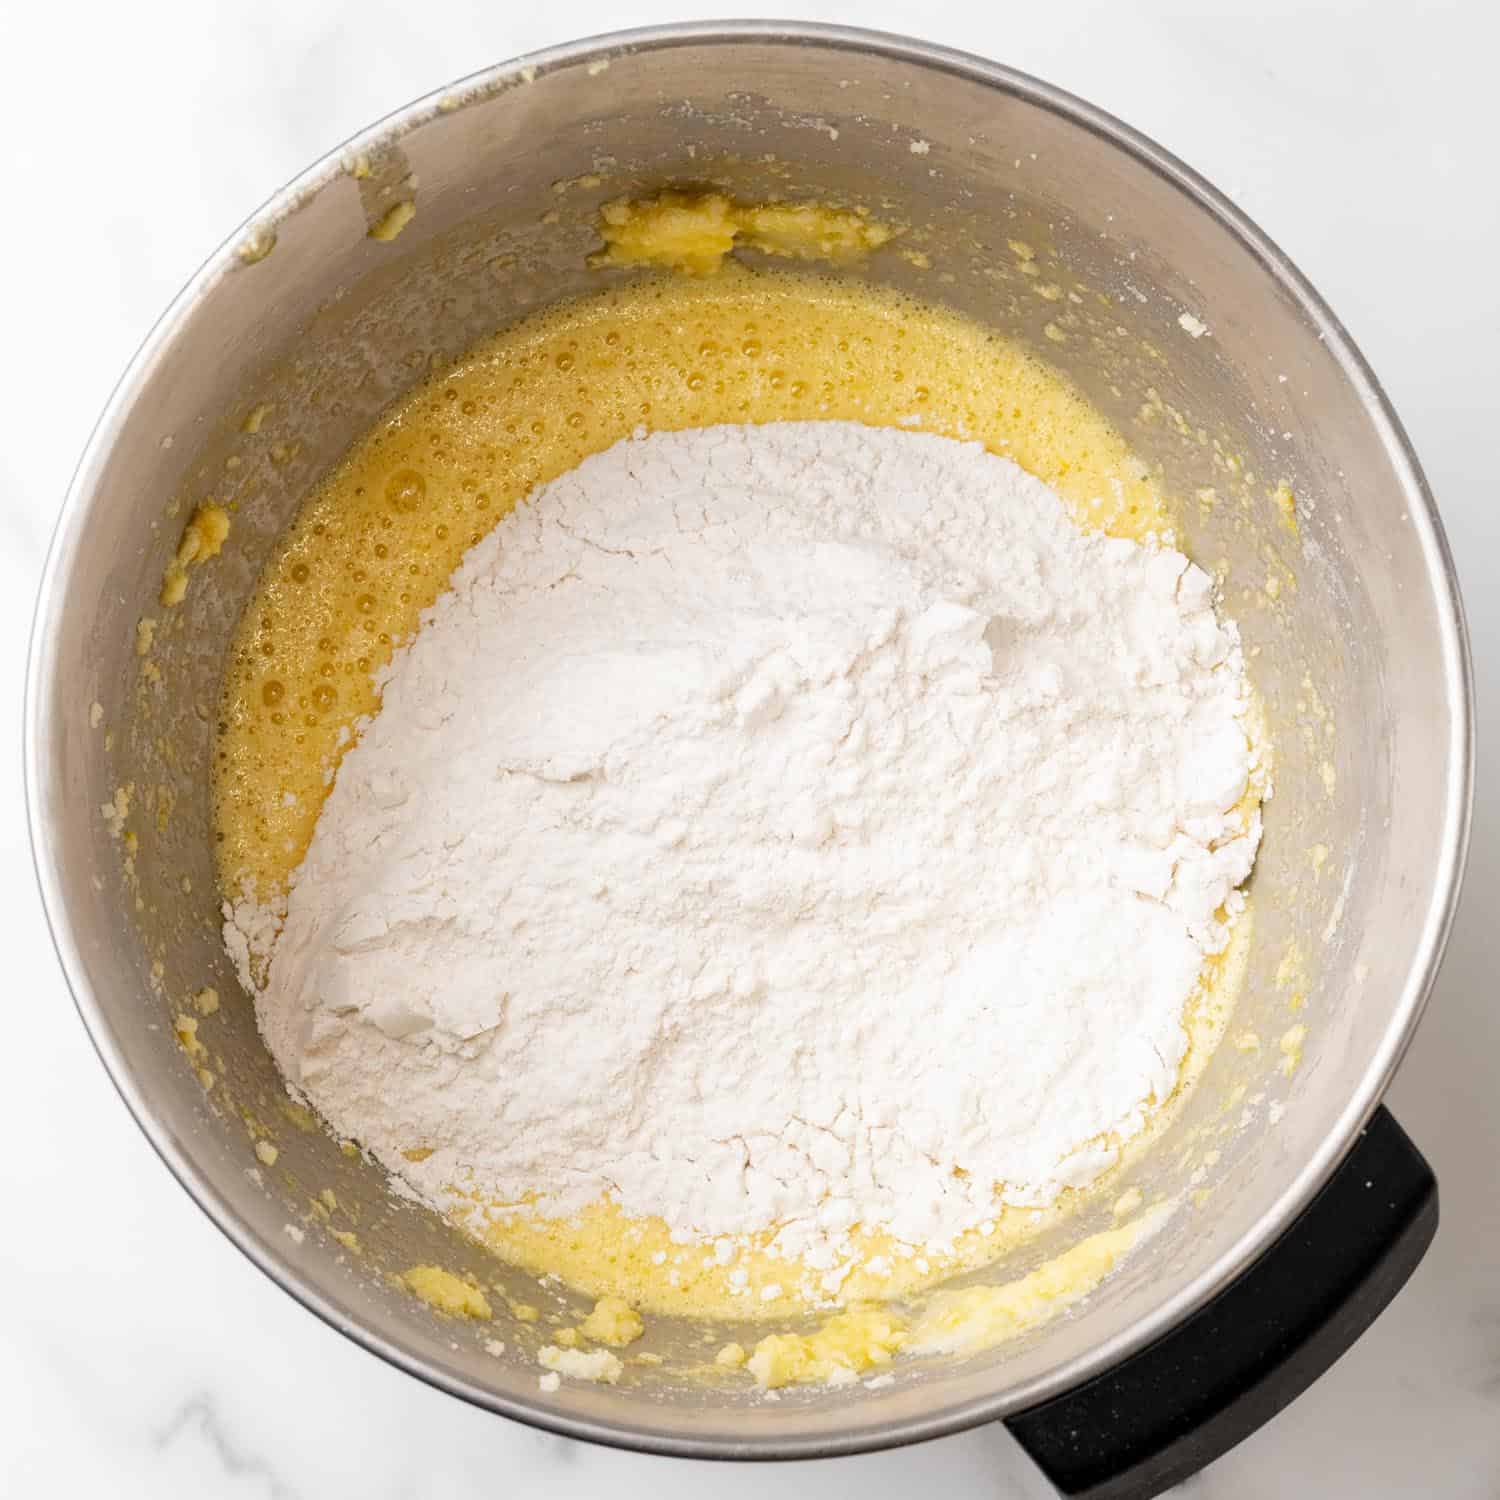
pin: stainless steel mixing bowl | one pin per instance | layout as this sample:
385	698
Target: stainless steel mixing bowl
1033	212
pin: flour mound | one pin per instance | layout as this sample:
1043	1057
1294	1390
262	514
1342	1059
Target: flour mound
802	825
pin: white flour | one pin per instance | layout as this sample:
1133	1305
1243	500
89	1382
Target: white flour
791	825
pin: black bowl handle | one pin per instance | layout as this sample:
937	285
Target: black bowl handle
1164	1413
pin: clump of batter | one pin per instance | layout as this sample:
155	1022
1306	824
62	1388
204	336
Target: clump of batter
695	232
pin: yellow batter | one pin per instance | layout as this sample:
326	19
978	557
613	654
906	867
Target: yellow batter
374	545
864	1338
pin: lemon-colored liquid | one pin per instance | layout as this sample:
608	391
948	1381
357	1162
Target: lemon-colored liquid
375	543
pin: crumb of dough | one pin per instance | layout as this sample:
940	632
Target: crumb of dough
851	1342
1291	1048
446	1293
202	538
257	247
186	1028
393	221
613	1322
206	1000
550	1381
266	1152
731	1356
1286	503
145	636
597	1364
117	809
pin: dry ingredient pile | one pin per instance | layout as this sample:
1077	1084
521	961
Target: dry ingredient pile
784	828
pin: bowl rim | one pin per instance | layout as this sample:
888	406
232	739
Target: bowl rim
1453	836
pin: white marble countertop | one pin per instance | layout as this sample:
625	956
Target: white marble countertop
140	1355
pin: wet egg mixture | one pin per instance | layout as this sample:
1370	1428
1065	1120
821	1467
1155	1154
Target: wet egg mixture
373	546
